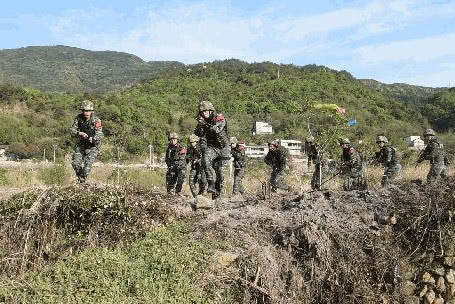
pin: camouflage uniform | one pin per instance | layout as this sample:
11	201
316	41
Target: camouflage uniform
86	149
388	157
197	173
239	164
214	142
438	160
277	159
176	165
352	167
315	157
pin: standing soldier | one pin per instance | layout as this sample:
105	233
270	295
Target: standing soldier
239	163
88	130
277	158
388	157
314	156
351	166
435	154
213	133
175	161
197	174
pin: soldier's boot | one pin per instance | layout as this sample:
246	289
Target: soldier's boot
201	191
211	186
82	179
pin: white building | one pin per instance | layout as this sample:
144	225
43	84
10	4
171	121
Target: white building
256	151
415	143
294	146
262	128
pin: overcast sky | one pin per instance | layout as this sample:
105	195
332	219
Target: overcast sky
410	41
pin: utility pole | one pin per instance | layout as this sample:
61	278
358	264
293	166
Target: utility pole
44	155
278	74
54	152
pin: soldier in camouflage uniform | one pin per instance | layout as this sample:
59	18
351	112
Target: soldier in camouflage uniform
239	164
434	152
88	130
176	165
351	166
216	151
314	153
197	174
388	157
277	158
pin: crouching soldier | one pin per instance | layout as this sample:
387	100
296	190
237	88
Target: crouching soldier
351	166
388	157
88	130
239	164
175	161
197	174
434	152
277	158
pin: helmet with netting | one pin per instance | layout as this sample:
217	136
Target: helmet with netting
206	106
194	138
173	135
345	141
87	105
429	132
382	138
310	139
233	140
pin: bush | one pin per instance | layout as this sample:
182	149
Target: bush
55	175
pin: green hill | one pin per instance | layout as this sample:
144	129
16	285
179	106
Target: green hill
69	69
143	114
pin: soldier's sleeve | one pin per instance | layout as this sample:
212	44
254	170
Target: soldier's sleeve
75	128
166	158
243	158
388	156
220	123
268	159
98	130
181	156
200	130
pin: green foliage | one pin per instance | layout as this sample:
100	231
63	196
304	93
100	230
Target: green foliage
161	268
3	176
440	110
54	175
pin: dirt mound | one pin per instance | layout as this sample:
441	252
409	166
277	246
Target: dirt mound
393	245
339	247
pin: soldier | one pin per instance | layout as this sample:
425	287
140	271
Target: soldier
315	156
389	158
176	165
213	133
88	130
197	174
277	158
435	154
351	166
239	163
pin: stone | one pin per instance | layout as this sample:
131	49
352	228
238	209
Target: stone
408	288
225	258
450	276
438	269
449	261
438	301
427	278
430	296
203	203
412	300
441	285
423	291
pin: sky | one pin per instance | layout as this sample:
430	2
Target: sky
405	41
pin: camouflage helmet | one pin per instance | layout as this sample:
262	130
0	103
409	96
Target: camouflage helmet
233	140
310	139
194	138
206	106
86	105
382	138
275	143
345	141
429	132
173	135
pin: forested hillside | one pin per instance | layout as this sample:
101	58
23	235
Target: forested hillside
70	69
144	113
